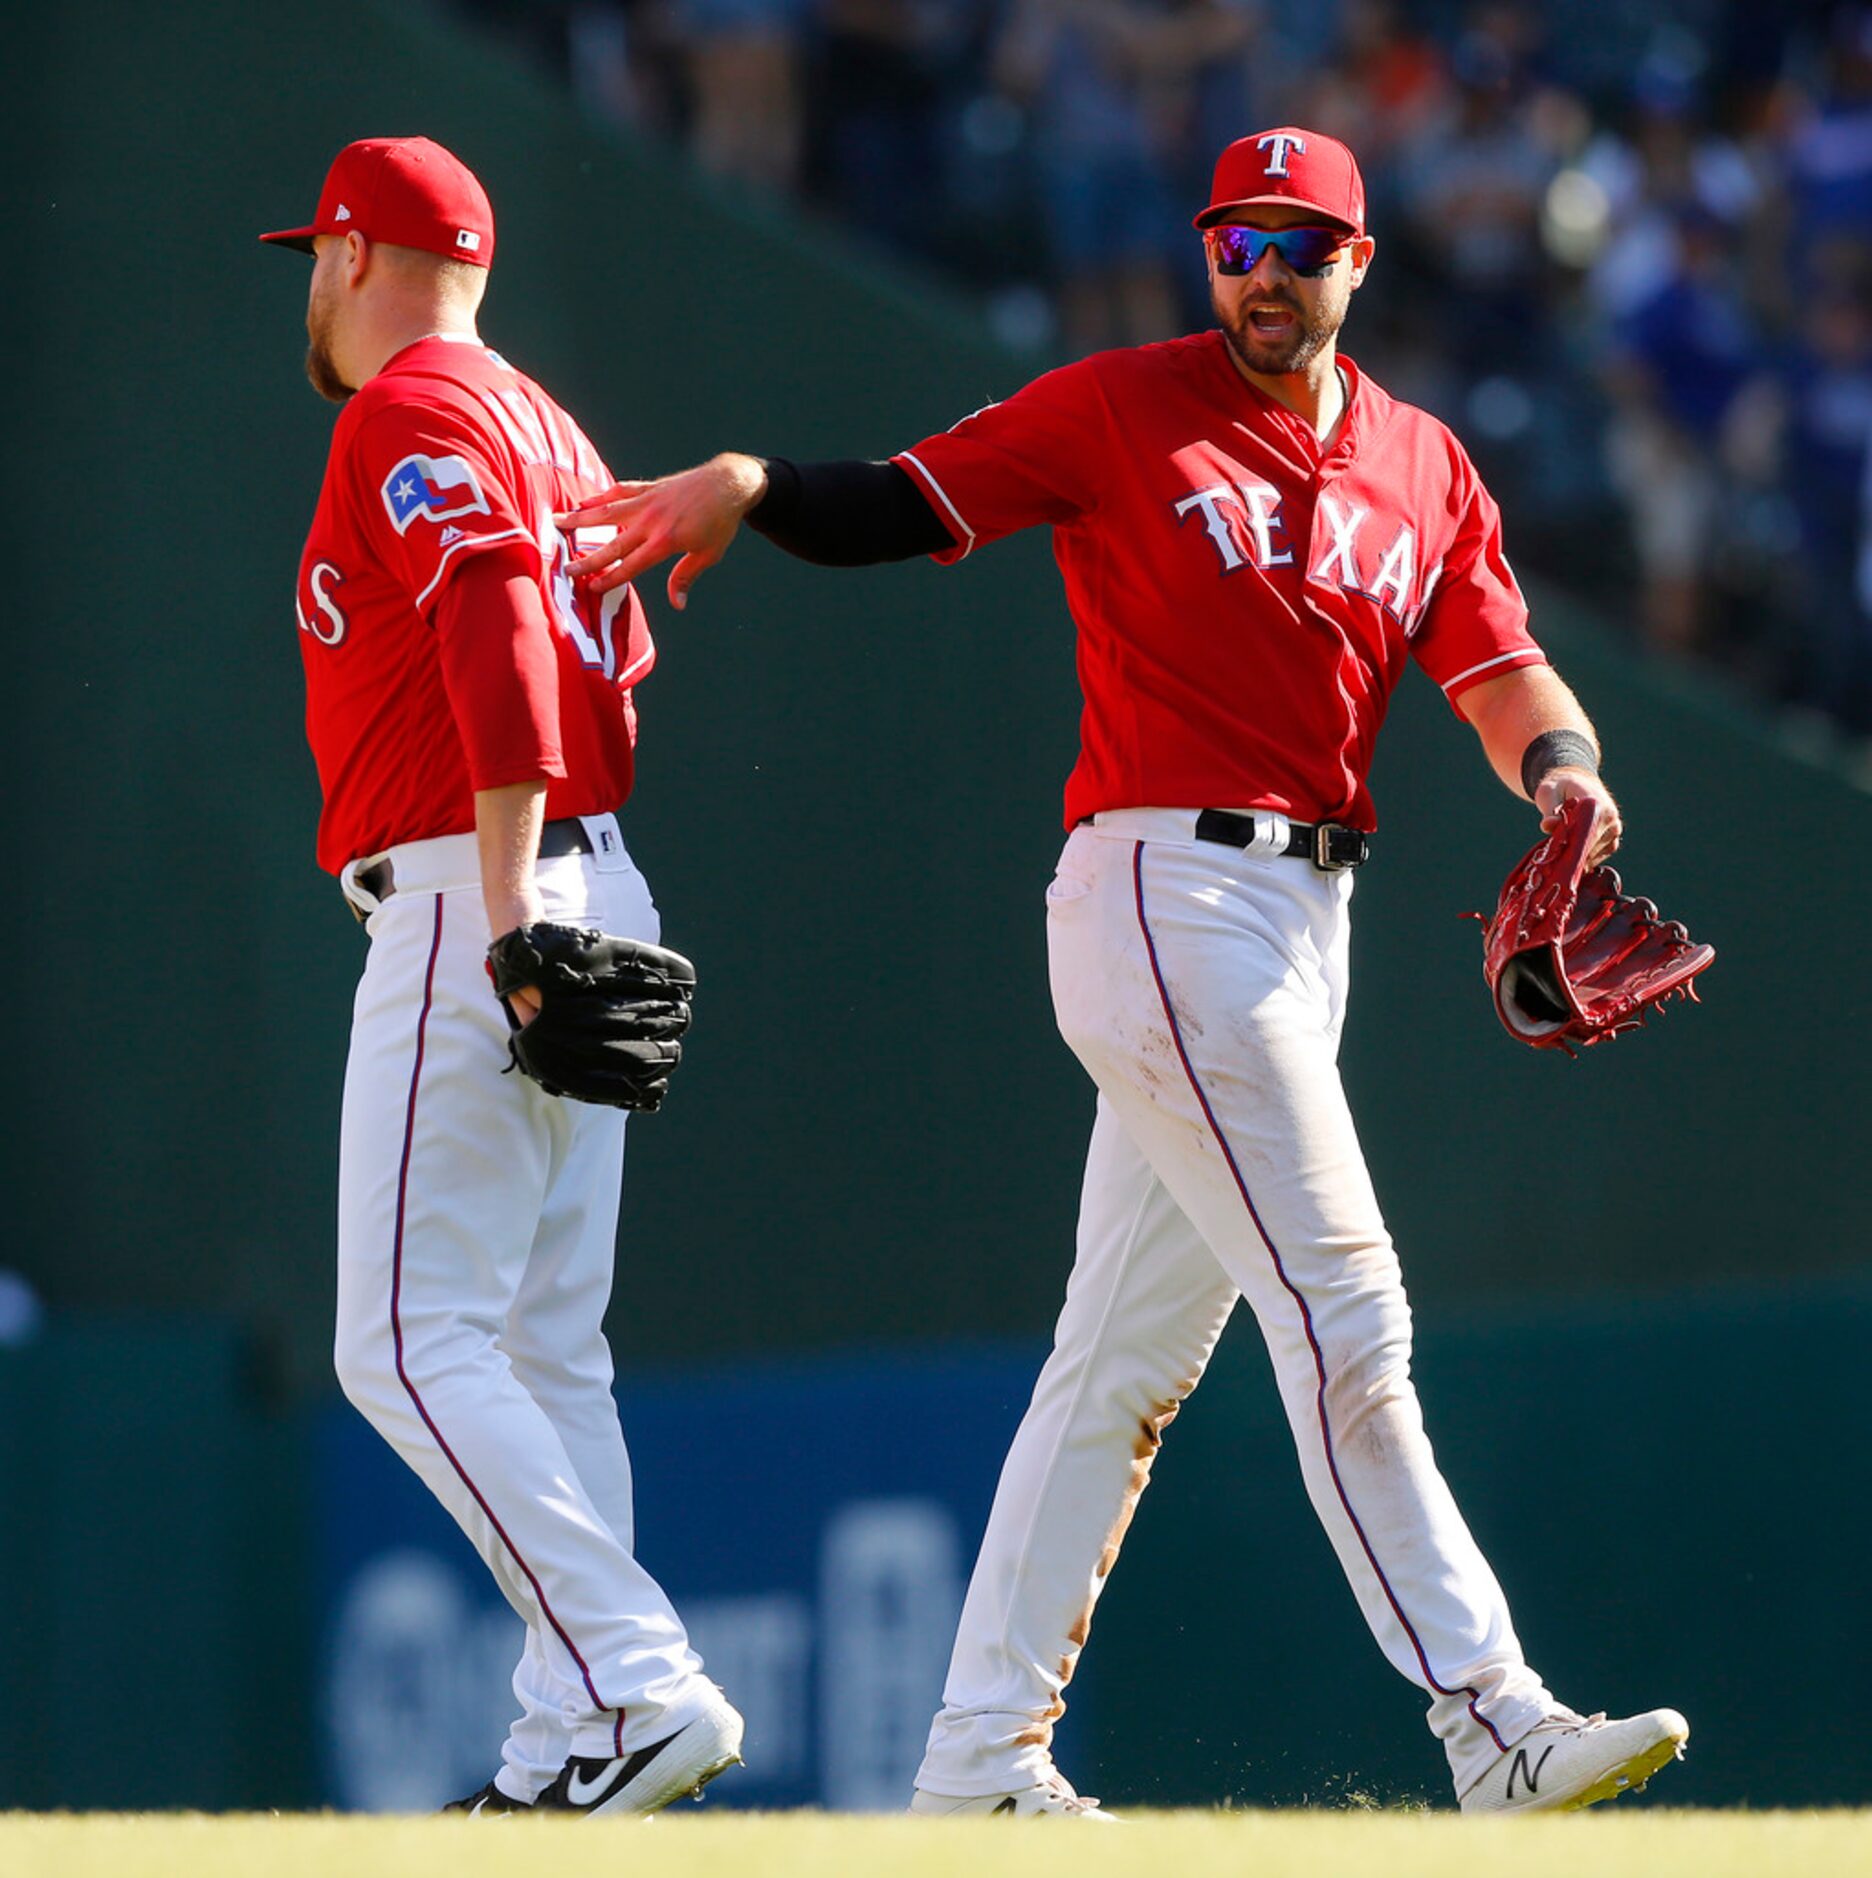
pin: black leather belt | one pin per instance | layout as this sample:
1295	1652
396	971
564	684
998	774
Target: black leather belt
556	838
1330	846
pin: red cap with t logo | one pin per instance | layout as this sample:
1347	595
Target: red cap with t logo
407	191
1302	169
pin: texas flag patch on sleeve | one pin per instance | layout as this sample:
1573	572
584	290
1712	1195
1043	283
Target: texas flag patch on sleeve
433	488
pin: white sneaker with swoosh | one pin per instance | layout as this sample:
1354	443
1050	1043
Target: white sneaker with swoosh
650	1778
1570	1760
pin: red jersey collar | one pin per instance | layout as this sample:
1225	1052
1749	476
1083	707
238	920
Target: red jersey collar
1353	423
430	339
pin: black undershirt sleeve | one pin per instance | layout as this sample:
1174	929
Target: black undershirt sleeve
846	514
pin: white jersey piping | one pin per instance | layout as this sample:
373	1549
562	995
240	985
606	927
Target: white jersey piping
942	496
1526	653
470	541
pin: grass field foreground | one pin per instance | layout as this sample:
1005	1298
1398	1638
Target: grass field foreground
1656	1843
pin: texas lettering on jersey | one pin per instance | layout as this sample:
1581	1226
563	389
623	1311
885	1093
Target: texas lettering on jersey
327	623
449	453
1245	597
1243	520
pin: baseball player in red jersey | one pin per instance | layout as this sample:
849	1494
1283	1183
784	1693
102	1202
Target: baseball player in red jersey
472	722
1254	539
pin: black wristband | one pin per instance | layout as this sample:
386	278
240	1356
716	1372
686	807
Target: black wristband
1556	749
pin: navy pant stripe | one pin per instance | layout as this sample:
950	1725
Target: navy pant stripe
1306	1315
396	1331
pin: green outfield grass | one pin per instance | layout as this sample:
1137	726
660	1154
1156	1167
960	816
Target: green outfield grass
1654	1843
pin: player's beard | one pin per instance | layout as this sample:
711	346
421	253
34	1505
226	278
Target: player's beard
324	374
319	365
1297	349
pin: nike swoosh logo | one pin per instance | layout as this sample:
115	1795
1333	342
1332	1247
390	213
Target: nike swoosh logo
582	1792
611	1776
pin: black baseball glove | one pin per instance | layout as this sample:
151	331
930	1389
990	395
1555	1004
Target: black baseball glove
611	1012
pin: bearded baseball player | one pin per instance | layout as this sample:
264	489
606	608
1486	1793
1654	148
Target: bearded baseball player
472	721
1255	538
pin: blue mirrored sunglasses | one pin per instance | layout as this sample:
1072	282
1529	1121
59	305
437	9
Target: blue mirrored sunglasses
1308	251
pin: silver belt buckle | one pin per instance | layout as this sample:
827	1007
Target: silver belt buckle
1322	849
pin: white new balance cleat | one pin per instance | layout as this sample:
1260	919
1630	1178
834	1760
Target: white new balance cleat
1052	1798
1570	1761
649	1779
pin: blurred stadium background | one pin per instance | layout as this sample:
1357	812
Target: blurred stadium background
1625	248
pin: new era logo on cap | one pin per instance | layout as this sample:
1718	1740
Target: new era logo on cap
1289	165
407	191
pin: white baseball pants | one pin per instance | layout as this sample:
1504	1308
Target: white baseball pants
1204	990
477	1228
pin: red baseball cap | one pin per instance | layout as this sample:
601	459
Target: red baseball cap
1304	168
406	191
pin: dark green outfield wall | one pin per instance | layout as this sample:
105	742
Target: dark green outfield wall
849	781
156	1559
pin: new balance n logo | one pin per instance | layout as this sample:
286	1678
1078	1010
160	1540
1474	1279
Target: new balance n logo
1529	1776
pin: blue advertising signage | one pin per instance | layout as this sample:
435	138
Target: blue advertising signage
814	1523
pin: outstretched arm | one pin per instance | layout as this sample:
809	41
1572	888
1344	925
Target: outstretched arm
1542	745
842	514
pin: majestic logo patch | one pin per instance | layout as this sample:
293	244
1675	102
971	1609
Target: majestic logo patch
433	487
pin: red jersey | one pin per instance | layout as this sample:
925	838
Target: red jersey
1245	596
446	453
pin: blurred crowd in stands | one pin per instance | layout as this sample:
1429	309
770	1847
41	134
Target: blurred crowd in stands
1625	246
